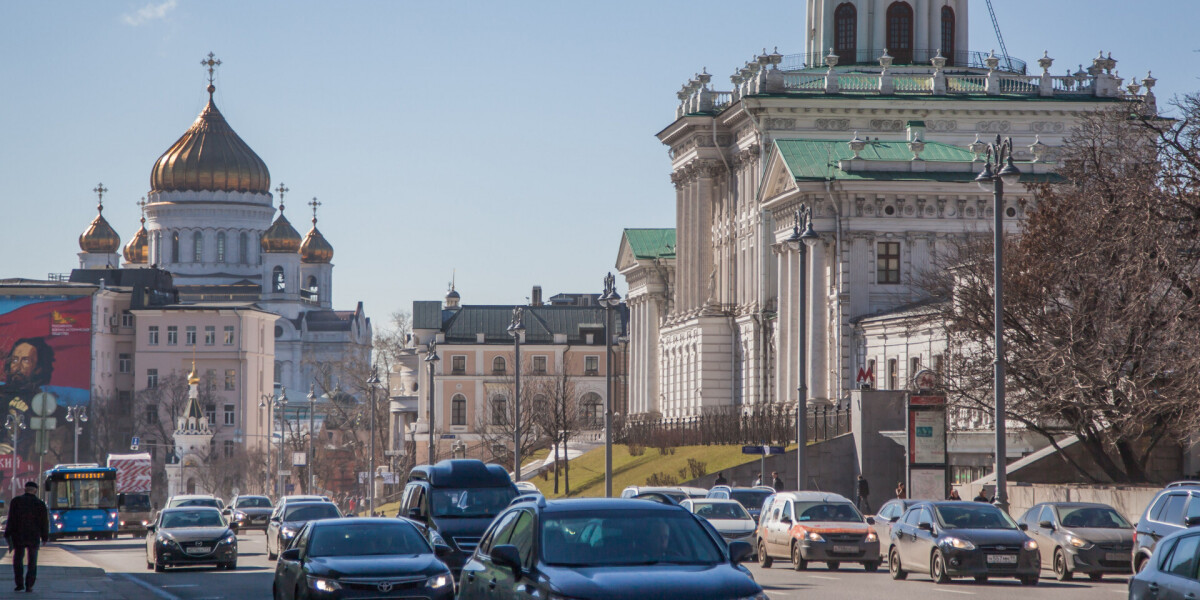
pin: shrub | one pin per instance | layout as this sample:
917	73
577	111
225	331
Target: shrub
661	479
683	473
636	449
697	468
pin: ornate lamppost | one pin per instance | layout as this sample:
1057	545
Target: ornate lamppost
14	424
801	239
271	403
372	383
516	330
431	359
74	413
610	299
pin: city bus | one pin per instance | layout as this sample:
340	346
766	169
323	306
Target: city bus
82	500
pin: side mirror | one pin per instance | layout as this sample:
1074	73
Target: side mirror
1192	521
292	554
870	520
1046	525
227	511
506	555
739	551
149	529
442	550
893	519
274	519
1025	526
414	513
785	519
925	526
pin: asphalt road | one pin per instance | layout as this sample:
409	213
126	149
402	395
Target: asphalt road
127	556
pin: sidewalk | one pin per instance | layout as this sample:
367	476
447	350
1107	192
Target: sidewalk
62	575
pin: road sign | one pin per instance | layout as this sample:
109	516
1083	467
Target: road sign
39	423
285	473
299	459
763	449
44	404
135	443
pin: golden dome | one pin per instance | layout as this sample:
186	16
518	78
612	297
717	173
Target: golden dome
193	377
281	236
99	237
315	249
210	157
137	251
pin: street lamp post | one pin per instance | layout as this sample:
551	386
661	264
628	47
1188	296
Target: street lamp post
312	404
801	239
431	359
76	413
272	403
372	383
609	299
993	178
516	330
14	424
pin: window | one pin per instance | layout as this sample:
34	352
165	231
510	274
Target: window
210	379
1183	557
893	374
210	335
151	415
458	410
124	403
522	537
1173	513
230	380
278	372
592	409
845	25
499	410
152	335
125	363
172	335
539	365
591	365
277	280
1047	515
948	34
175	247
312	290
229	448
126	320
229	414
243	249
458	365
887	262
229	335
210	413
900	32
498	365
939	363
541	405
914	366
870	373
190	335
1193	509
151	379
221	247
197	247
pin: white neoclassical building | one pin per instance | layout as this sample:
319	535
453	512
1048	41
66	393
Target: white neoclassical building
883	147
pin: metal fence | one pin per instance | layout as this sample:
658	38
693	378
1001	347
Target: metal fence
767	424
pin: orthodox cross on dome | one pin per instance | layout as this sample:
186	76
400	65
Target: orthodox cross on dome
212	65
142	205
281	190
314	204
100	189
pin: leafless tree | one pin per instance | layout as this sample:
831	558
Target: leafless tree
556	413
497	424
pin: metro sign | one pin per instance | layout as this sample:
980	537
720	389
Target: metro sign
866	375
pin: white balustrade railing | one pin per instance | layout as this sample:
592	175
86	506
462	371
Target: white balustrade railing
913	83
966	84
1020	84
858	82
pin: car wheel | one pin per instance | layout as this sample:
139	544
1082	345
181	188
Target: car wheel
271	555
1095	576
149	566
937	568
1061	572
231	565
1029	579
159	567
870	566
764	559
798	562
981	579
1140	564
833	565
894	565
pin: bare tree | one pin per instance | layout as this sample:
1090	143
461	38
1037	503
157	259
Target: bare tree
497	424
387	343
556	413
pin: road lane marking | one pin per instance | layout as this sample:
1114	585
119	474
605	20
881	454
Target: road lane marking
955	592
824	577
180	585
153	589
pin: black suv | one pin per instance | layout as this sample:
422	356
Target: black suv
1175	508
454	501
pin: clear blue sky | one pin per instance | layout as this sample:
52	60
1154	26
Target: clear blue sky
511	141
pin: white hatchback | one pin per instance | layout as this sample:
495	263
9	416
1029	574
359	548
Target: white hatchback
728	517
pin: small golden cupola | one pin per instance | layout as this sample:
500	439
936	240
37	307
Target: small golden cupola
137	251
210	156
100	237
281	237
315	249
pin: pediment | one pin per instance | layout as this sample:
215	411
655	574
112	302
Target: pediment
778	179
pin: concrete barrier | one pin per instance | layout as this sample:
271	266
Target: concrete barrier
1130	501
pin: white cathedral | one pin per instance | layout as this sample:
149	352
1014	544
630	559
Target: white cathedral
878	129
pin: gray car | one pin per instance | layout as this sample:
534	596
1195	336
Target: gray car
1080	537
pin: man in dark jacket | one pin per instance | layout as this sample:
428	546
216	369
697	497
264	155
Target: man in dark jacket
28	524
864	491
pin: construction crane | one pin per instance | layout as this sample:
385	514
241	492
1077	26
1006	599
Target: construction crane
999	37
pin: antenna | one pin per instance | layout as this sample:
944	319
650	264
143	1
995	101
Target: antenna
999	37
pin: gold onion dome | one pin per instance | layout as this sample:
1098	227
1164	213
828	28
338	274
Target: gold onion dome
315	248
210	157
193	377
137	251
281	236
99	237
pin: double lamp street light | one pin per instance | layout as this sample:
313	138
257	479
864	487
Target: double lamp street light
803	237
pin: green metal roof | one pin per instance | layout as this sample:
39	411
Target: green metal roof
818	159
651	243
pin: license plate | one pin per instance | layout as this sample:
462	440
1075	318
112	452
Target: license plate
1002	559
846	549
1116	556
85	528
197	550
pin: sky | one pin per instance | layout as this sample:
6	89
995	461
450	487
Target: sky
507	143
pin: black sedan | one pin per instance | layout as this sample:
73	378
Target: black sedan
604	548
362	558
249	512
190	536
1173	571
1079	537
961	539
285	524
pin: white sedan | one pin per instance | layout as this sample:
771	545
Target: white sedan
728	517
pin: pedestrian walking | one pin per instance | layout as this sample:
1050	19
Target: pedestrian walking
864	490
28	526
901	493
776	482
758	481
720	479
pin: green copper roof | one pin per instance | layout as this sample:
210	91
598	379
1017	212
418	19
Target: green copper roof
818	159
651	243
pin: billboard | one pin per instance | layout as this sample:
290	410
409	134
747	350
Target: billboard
46	346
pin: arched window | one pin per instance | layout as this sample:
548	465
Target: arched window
900	32
175	247
845	35
458	410
221	247
540	404
156	257
312	290
591	409
499	410
278	372
278	284
244	249
948	34
498	365
197	247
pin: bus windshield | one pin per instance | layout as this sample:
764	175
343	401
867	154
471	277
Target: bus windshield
134	502
82	493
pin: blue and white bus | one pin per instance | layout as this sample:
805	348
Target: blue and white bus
82	500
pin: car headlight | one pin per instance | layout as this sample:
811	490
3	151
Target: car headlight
437	538
958	543
322	584
1078	542
288	533
145	523
229	539
438	581
814	537
239	515
1031	545
871	537
122	523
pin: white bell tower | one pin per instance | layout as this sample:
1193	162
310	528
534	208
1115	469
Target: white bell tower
912	31
193	436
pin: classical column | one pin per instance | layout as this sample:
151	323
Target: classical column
818	328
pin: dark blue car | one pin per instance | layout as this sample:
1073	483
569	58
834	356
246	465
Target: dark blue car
604	548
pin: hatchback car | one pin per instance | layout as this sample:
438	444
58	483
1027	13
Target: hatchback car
1078	537
728	517
961	539
362	558
751	497
889	513
604	548
285	524
1173	572
1175	508
190	536
191	500
816	527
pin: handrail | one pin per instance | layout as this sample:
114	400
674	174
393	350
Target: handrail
961	58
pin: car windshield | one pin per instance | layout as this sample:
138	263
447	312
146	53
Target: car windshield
720	510
134	502
311	512
1084	517
750	499
365	539
975	515
253	502
611	538
827	511
211	502
192	518
471	503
